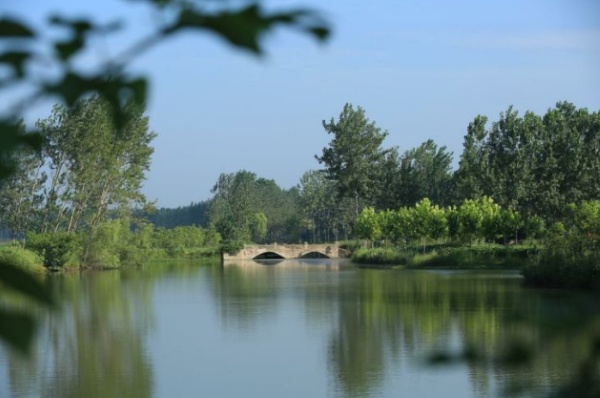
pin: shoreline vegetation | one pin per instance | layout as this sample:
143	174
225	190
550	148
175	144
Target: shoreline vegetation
484	256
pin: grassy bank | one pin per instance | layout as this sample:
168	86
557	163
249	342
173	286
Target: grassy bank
445	256
380	256
21	258
184	254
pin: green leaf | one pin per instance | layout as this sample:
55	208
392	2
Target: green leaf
25	283
66	49
139	88
13	138
321	33
17	329
79	26
244	27
240	28
9	28
16	60
33	140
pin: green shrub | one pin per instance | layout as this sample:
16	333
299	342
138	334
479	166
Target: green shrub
56	249
350	245
379	256
131	255
20	257
232	247
435	259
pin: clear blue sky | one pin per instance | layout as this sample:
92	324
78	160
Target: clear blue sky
421	69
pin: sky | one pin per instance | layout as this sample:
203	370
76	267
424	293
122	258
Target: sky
420	69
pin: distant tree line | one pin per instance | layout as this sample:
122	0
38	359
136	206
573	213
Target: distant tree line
531	165
193	214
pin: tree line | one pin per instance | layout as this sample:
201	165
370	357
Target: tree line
531	165
86	172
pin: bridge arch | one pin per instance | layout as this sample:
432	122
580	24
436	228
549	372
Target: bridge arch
268	255
313	254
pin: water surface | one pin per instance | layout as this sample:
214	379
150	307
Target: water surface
312	328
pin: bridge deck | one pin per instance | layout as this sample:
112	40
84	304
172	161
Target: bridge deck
286	251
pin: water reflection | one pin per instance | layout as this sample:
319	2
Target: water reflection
93	346
380	319
252	329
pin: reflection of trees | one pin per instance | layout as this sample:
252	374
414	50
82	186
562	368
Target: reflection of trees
385	316
93	347
248	293
245	294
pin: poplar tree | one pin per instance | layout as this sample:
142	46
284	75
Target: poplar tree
354	157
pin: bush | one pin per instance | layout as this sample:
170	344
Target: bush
131	255
21	258
232	247
56	249
475	257
351	245
379	256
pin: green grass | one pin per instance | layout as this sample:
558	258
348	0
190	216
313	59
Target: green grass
485	256
449	256
22	258
182	254
379	256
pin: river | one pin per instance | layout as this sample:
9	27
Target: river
312	328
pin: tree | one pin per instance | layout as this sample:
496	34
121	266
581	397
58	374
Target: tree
89	170
315	194
239	196
531	164
429	221
512	221
354	157
326	216
425	172
367	225
393	192
472	174
259	227
471	218
20	197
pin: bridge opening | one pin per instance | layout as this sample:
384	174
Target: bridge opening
314	255
268	256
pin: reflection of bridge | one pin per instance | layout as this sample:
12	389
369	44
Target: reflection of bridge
285	251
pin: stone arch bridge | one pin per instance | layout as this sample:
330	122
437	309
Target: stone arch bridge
285	251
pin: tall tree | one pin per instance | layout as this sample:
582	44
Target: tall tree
84	169
531	164
325	216
425	172
20	193
472	174
354	157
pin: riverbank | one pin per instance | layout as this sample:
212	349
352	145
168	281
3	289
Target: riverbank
38	262
21	258
448	257
540	268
